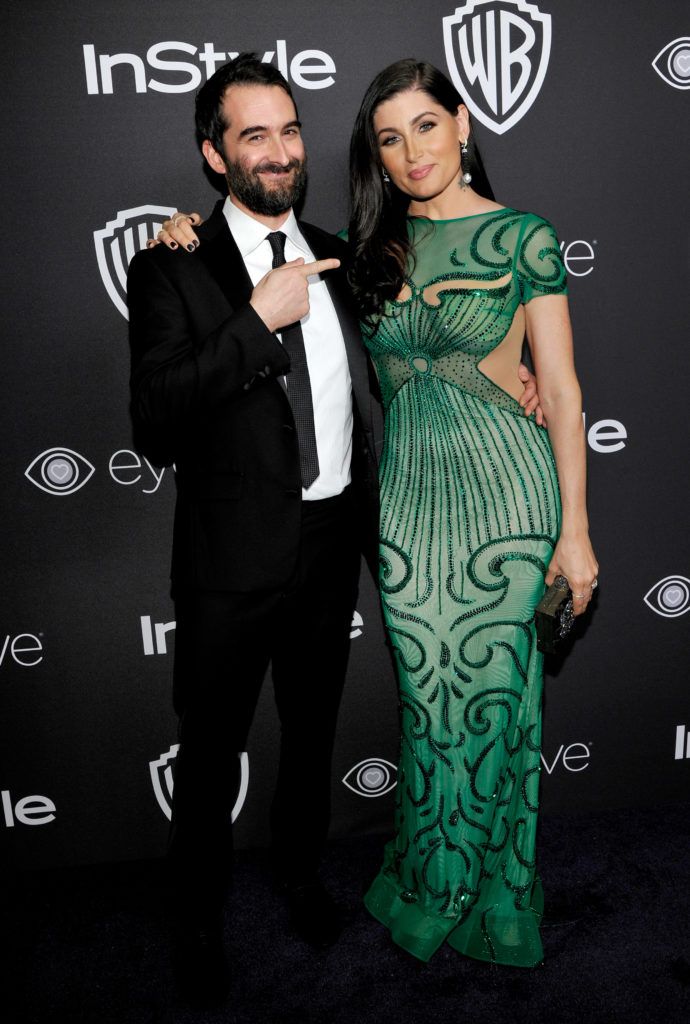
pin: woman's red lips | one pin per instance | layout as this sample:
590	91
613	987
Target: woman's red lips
420	172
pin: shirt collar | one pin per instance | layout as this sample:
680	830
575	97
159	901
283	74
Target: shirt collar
249	233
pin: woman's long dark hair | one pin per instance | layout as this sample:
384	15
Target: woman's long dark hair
378	226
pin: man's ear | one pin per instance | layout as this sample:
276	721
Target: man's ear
213	157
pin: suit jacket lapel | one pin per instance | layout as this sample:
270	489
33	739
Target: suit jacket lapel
223	259
339	290
224	262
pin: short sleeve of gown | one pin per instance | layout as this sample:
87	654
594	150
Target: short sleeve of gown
538	261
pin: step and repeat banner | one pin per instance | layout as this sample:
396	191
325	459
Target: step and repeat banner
581	111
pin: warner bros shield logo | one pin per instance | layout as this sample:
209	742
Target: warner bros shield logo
497	53
163	781
118	241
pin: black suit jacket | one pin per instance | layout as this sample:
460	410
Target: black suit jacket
206	397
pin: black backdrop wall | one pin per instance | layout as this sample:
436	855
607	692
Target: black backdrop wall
580	109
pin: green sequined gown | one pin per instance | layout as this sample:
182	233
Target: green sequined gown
470	516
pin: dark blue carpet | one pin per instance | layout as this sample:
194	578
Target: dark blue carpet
90	945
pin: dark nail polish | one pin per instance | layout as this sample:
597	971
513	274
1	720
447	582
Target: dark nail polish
173	245
190	247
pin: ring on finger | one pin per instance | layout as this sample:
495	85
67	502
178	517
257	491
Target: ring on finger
595	584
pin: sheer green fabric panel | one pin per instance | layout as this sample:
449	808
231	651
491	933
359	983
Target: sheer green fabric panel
540	266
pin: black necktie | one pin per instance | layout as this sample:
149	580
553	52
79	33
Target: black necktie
298	385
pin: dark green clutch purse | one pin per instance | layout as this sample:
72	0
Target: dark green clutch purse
554	616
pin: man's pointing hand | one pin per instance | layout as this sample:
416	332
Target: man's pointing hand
282	296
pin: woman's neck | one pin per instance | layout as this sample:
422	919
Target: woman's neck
464	202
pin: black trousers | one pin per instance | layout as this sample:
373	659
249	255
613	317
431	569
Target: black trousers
224	644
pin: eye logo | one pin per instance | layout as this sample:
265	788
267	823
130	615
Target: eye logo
373	777
59	471
673	63
669	597
163	782
497	52
118	241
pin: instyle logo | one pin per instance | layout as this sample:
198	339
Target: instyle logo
117	242
373	777
672	63
497	52
59	471
669	597
163	781
154	635
682	743
30	810
308	69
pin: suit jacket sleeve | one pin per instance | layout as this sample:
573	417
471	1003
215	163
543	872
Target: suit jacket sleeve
182	367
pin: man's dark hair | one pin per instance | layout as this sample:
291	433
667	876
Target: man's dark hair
245	69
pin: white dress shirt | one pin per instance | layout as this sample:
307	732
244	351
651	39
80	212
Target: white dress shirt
329	374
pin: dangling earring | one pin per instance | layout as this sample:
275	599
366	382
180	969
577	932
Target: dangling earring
384	175
465	177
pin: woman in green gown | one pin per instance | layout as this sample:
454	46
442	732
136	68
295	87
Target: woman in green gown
479	506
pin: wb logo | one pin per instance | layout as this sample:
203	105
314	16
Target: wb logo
497	53
163	781
118	241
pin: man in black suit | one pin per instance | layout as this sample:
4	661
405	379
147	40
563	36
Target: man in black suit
249	375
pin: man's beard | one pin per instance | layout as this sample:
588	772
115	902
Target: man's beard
247	186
